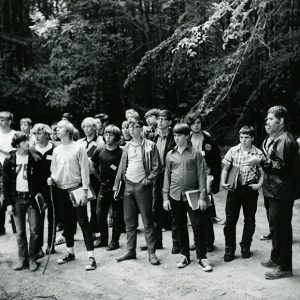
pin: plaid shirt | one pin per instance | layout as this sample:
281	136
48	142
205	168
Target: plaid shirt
236	157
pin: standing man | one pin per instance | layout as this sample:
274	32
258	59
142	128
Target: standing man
101	122
6	136
105	162
69	170
22	184
139	168
26	126
279	184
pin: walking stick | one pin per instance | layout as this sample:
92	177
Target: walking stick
53	232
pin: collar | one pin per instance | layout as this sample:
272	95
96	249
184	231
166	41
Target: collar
249	151
189	147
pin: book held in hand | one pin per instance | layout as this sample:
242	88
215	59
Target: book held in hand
232	177
193	198
76	195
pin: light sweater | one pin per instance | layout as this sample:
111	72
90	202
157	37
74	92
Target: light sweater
70	166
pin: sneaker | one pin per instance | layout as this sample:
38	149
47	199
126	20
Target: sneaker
21	266
229	255
67	258
60	240
98	243
183	262
91	264
269	264
266	237
205	265
217	221
277	273
153	259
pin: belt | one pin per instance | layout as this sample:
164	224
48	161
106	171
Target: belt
23	194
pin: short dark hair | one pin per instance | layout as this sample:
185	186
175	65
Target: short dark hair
68	116
279	112
8	114
113	130
165	114
18	137
152	112
193	116
103	117
247	130
182	128
138	122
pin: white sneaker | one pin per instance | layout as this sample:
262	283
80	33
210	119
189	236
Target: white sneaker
183	262
205	265
60	240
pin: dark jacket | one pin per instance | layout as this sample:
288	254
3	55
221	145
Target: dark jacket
151	162
280	169
45	163
170	143
212	156
33	177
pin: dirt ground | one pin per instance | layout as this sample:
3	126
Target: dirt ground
137	279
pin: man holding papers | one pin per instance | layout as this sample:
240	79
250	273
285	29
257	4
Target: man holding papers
70	169
185	171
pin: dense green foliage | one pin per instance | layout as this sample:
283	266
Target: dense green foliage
229	59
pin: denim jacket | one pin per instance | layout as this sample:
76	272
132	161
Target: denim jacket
151	162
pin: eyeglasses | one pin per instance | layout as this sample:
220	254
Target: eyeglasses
134	127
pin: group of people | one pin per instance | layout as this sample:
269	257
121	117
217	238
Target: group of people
148	170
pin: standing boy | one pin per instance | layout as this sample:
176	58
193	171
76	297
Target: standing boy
185	171
70	169
249	181
139	168
105	162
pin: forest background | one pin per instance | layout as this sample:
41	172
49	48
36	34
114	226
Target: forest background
231	60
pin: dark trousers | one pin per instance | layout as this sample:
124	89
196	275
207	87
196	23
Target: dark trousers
244	197
105	199
212	209
71	215
2	219
281	213
94	221
161	218
22	207
267	207
138	197
179	212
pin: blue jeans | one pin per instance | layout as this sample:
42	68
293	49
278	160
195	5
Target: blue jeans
22	207
138	197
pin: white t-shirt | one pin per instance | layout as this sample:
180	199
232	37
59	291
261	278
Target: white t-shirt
21	171
5	144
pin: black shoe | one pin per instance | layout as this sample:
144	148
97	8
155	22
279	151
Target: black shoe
175	250
210	248
246	253
48	250
127	256
33	266
159	245
269	264
193	247
143	247
99	243
41	254
153	259
229	255
113	246
91	264
20	266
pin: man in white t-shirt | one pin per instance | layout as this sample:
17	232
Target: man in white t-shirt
6	135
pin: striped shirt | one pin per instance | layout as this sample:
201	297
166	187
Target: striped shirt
236	157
